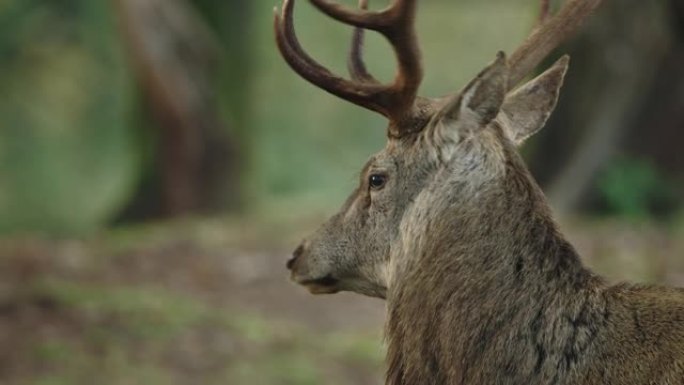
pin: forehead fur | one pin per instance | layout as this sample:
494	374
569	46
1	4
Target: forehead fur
447	143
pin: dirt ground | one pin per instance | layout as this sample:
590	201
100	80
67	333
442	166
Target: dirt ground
209	302
185	303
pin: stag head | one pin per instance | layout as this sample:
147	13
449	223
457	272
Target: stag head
448	154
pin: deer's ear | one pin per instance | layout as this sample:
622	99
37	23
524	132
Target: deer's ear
527	108
481	100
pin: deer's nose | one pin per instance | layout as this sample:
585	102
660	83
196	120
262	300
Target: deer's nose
296	254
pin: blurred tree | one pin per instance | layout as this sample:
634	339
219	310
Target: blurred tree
659	131
231	24
610	93
176	56
68	156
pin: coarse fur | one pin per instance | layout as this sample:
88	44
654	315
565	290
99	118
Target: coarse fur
489	292
481	286
448	225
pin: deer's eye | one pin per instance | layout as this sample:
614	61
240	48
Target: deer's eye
377	181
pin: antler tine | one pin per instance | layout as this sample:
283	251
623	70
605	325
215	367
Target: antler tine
544	10
549	35
355	64
377	21
402	35
368	96
396	23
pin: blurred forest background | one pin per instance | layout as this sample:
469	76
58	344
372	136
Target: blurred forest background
158	160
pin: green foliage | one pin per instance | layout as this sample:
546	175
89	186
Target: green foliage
634	189
68	155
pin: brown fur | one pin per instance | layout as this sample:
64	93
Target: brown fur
498	296
481	286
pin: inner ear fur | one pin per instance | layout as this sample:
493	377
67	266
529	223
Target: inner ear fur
526	110
483	97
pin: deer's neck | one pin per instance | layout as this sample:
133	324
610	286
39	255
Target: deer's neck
480	277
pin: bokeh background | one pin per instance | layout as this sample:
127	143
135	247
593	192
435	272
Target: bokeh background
158	161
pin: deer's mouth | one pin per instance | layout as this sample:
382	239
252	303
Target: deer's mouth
324	285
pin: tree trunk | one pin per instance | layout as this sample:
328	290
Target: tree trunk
614	63
175	58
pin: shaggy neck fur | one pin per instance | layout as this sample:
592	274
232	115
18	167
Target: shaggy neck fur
487	273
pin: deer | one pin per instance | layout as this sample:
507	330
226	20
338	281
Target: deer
448	226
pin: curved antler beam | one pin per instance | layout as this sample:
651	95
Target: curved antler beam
395	101
367	96
377	21
356	66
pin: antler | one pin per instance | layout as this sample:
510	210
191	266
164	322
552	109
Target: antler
396	23
357	69
399	101
549	34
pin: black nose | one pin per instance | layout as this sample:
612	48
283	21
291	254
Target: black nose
296	254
